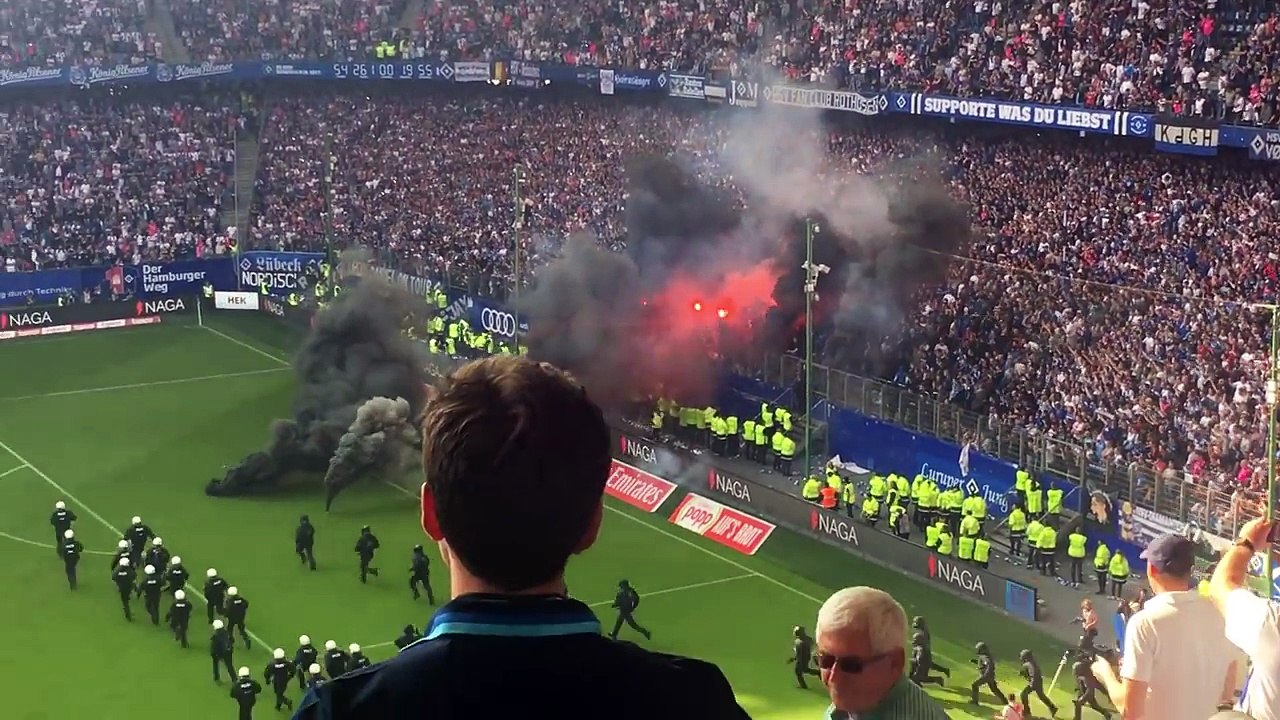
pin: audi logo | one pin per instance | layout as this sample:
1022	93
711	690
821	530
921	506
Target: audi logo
497	322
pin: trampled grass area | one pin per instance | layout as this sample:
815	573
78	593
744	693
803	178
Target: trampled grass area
134	422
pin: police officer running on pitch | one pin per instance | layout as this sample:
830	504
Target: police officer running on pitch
986	674
123	550
215	592
138	533
237	609
245	693
335	660
176	576
365	547
150	589
221	650
179	617
920	626
1085	690
626	602
420	572
61	520
304	542
70	550
408	636
802	656
922	662
314	677
1035	683
358	660
158	555
304	658
277	675
123	576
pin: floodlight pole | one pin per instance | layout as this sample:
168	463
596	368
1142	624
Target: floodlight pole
811	274
1272	388
517	181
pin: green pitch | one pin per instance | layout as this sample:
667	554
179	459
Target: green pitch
135	421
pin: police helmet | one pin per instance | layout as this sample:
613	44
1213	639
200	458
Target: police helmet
365	529
623	583
278	653
211	573
982	649
417	548
123	544
1025	655
156	542
304	640
69	534
798	631
353	648
917	639
217	625
149	570
124	562
330	645
59	505
314	669
175	560
304	519
917	622
233	591
137	520
410	630
179	595
243	672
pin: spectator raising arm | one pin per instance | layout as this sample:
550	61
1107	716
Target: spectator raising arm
1253	624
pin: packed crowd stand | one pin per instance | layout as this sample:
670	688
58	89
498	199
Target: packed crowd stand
1214	58
1169	376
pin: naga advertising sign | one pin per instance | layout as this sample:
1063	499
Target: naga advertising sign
637	488
722	524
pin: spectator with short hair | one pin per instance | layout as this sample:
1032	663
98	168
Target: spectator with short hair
1177	663
862	657
516	456
1253	623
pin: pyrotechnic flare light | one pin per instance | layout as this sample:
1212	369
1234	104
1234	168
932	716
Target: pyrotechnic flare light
697	307
722	313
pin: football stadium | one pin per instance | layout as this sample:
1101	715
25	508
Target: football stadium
973	306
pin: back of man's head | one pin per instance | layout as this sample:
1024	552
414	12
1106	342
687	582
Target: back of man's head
516	457
1170	560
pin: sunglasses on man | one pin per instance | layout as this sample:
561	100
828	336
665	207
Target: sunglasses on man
851	665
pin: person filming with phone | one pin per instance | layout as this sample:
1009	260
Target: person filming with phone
1253	624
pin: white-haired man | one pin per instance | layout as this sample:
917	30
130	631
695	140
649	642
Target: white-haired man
1253	624
862	639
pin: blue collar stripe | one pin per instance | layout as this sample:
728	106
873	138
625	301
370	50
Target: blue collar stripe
512	618
450	626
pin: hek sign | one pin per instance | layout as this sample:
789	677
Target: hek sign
956	576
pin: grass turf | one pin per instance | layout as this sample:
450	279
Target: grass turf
133	422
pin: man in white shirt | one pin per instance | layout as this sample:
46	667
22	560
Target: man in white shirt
1253	624
1177	662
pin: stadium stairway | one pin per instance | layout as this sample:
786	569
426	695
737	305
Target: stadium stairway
236	213
160	22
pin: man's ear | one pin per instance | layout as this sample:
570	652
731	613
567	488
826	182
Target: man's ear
593	530
430	525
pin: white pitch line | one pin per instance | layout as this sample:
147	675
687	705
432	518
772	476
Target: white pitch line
7	473
246	345
47	546
107	524
151	383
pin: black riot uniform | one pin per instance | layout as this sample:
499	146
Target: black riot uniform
245	692
150	590
175	578
1035	683
70	549
215	593
179	618
277	675
420	572
986	675
802	656
304	542
237	609
314	680
302	660
365	547
120	553
335	662
1086	691
61	520
626	602
124	578
158	557
408	636
221	650
358	661
922	662
138	534
920	626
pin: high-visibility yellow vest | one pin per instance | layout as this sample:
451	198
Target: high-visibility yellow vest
981	550
1119	567
1076	545
965	548
1102	557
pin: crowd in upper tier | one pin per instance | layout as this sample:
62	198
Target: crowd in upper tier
1204	57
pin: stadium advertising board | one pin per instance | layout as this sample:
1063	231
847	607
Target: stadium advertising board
744	93
26	322
149	280
636	487
470	72
1088	120
183	277
826	99
1265	146
722	524
686	86
235	300
281	272
487	315
1186	135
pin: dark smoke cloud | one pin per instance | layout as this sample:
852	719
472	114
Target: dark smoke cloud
354	351
618	322
381	437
